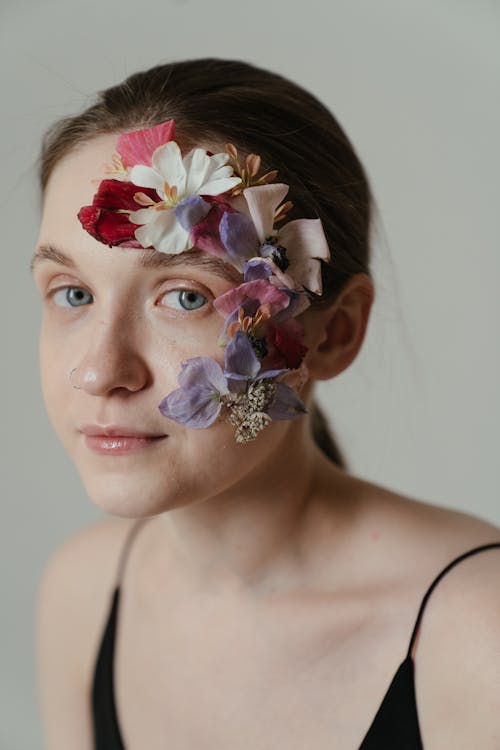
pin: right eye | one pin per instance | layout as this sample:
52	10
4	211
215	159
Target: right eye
72	296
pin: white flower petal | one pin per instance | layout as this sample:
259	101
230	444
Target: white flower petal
146	177
175	241
197	166
142	215
218	185
167	161
305	242
159	224
262	202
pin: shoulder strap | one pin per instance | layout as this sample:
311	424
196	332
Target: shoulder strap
436	580
129	538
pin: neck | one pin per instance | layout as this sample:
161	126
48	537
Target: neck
254	537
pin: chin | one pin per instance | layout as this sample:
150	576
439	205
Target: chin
129	497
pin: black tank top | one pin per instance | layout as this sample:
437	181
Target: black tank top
394	727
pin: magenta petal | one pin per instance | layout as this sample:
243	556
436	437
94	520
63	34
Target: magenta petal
205	234
260	290
138	146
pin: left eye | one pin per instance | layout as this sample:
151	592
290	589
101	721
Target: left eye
185	299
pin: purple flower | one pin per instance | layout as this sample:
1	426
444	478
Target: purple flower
285	404
256	268
241	362
190	211
197	402
238	235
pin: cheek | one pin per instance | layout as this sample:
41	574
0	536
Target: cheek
168	350
54	373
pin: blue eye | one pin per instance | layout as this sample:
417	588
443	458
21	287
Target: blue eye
72	296
185	299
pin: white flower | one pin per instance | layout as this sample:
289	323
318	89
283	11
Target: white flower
304	239
175	178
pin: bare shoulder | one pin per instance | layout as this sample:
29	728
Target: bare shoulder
72	603
80	573
413	530
457	649
456	653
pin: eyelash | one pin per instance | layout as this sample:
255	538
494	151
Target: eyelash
180	290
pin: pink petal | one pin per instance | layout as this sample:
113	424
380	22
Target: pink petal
262	201
138	146
260	290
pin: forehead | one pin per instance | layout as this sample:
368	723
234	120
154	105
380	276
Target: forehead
72	185
76	176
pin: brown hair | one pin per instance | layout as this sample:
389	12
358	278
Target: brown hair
259	111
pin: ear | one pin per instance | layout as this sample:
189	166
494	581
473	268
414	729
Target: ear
334	335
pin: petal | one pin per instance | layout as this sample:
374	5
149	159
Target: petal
262	201
193	408
144	215
167	161
285	404
256	268
204	372
147	177
109	227
238	235
197	165
119	194
259	292
209	175
298	303
288	338
220	184
163	231
240	360
305	242
190	211
138	146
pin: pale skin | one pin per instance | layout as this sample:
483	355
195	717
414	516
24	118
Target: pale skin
270	597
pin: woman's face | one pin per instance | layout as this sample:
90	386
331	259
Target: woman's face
127	325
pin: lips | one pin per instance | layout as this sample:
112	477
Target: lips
120	440
93	430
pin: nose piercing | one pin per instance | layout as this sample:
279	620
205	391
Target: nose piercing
78	387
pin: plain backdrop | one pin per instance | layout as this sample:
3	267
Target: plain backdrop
416	86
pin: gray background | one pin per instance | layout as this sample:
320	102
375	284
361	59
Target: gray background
415	84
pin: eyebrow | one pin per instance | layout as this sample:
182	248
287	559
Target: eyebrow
150	259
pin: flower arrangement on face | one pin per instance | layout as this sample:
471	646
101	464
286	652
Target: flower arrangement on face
157	199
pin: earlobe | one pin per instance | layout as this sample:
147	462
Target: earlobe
341	329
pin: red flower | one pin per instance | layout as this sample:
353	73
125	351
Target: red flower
285	344
107	219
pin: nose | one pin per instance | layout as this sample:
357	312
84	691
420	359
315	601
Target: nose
113	361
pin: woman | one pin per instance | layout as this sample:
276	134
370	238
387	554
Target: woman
247	591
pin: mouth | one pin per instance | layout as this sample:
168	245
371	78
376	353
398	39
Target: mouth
116	440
